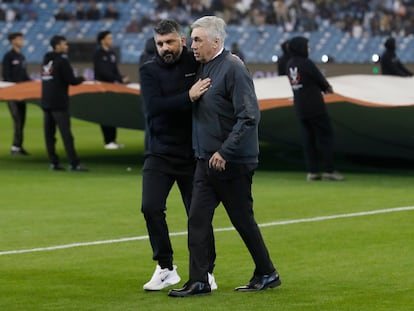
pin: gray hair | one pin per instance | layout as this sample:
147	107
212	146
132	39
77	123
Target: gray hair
214	26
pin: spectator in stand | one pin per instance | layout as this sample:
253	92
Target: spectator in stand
390	63
12	15
2	15
93	13
81	12
27	10
357	29
281	12
133	26
111	12
62	15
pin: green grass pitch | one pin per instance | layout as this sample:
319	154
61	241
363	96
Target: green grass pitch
354	263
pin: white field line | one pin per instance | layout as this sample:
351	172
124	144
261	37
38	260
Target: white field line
269	224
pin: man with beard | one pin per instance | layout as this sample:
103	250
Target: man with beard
168	88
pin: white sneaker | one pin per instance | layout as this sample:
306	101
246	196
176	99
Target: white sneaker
313	177
212	281
113	146
334	176
162	278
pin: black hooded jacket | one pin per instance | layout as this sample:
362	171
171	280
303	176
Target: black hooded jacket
167	105
306	80
390	63
105	66
57	75
149	51
284	58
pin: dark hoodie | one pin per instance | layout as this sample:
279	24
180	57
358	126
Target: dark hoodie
284	58
390	63
149	51
57	75
306	80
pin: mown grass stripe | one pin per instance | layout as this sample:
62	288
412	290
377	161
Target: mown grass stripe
269	224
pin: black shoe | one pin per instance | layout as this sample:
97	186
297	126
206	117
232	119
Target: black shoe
18	151
77	168
191	289
56	167
261	283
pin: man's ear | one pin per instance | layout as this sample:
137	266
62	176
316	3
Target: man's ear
183	41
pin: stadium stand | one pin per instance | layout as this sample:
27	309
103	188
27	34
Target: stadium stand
258	29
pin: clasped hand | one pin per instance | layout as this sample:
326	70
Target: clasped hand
217	162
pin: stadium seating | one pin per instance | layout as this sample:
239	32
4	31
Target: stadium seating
259	44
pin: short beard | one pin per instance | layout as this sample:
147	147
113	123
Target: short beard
169	60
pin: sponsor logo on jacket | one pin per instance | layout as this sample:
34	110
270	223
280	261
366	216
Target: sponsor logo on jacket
47	71
295	79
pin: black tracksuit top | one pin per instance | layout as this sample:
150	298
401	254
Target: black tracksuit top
105	66
57	75
167	105
14	67
306	80
227	116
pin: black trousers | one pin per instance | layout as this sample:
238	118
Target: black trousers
156	186
233	188
60	119
18	113
317	132
109	134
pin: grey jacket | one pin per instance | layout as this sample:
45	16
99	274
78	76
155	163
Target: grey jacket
226	117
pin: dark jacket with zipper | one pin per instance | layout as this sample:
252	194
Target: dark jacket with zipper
105	66
167	105
14	67
57	75
226	117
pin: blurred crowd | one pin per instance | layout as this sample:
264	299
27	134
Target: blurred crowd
357	17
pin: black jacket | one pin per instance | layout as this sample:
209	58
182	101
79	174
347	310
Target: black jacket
306	80
284	58
226	117
14	67
167	105
149	52
57	75
390	63
105	66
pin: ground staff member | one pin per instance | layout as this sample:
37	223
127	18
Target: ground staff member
308	83
106	69
14	70
225	139
390	62
57	75
166	88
